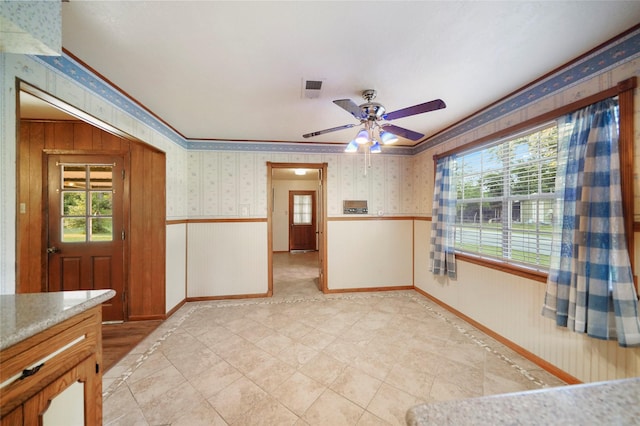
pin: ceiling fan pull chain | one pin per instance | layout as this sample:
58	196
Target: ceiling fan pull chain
365	162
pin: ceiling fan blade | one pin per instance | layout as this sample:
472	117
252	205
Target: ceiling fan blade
416	109
349	106
333	129
402	132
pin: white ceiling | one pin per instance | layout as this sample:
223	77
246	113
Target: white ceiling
290	174
217	70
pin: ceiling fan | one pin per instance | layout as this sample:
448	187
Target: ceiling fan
374	117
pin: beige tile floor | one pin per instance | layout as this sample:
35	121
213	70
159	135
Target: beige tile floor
302	357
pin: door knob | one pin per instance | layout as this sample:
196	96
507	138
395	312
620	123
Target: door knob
52	250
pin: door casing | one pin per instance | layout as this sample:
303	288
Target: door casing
97	265
321	201
144	286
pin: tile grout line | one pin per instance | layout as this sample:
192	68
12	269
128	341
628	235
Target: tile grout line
523	371
146	354
210	305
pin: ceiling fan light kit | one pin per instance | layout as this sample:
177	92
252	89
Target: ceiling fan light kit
352	146
362	137
387	138
373	117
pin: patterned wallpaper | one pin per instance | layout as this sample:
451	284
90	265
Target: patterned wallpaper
221	184
33	27
220	179
577	91
599	62
207	182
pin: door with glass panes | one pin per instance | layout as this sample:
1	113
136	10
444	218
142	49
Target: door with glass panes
85	228
302	220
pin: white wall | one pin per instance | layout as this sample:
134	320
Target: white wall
227	258
176	265
511	305
369	253
421	237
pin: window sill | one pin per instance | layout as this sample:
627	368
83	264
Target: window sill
504	267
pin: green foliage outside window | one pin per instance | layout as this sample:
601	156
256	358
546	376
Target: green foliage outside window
505	196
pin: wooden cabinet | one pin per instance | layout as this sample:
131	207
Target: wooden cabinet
63	359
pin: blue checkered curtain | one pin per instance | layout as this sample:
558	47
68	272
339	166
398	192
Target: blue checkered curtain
442	256
590	285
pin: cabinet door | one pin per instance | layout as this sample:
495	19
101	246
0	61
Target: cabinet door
85	402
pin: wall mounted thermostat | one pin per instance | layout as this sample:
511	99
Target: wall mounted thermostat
354	207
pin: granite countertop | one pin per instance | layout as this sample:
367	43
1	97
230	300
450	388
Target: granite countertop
602	403
25	315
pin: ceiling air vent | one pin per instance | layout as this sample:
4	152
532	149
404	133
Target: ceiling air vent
311	88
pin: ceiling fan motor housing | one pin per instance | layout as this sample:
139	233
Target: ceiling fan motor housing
372	111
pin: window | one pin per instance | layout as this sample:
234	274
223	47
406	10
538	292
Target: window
504	188
302	209
86	200
505	198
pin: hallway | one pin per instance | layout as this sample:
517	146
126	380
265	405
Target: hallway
295	274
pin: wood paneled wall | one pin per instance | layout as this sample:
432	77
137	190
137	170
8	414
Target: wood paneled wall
147	234
145	207
30	239
35	138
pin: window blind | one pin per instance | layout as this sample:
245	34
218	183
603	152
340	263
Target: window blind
505	198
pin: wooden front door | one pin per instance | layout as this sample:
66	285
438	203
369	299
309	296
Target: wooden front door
85	226
302	220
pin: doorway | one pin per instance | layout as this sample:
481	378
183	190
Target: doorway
48	127
296	221
302	221
84	225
